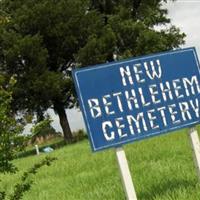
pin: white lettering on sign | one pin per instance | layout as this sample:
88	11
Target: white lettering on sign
143	100
120	126
141	93
145	121
152	70
177	87
152	119
107	105
105	126
126	73
136	120
163	115
190	85
165	89
138	73
184	107
134	99
119	102
94	108
173	114
154	92
195	107
131	98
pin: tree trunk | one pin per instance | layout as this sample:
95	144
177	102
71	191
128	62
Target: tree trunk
59	108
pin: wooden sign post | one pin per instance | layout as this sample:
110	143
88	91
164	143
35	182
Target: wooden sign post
125	174
196	148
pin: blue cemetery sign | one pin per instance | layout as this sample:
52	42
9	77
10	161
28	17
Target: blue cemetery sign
138	98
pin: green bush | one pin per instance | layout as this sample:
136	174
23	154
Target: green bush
43	129
26	181
11	140
79	135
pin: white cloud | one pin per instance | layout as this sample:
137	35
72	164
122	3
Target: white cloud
185	15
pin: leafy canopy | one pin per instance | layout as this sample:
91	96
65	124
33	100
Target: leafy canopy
41	41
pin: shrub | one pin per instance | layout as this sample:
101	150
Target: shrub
42	129
79	135
11	139
25	181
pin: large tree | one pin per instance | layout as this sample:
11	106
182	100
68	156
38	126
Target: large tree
43	40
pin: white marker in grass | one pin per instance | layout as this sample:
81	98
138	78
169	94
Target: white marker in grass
37	149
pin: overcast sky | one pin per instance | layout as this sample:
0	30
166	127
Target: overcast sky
183	13
186	15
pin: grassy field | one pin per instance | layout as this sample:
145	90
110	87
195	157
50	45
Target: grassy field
162	169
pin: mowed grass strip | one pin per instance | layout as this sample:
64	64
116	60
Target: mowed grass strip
162	169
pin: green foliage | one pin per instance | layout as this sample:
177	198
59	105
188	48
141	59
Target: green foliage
162	168
42	48
10	139
130	27
44	40
43	128
12	142
2	195
79	135
25	182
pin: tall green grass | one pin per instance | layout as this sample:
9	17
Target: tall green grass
162	169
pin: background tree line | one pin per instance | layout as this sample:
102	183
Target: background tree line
41	41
